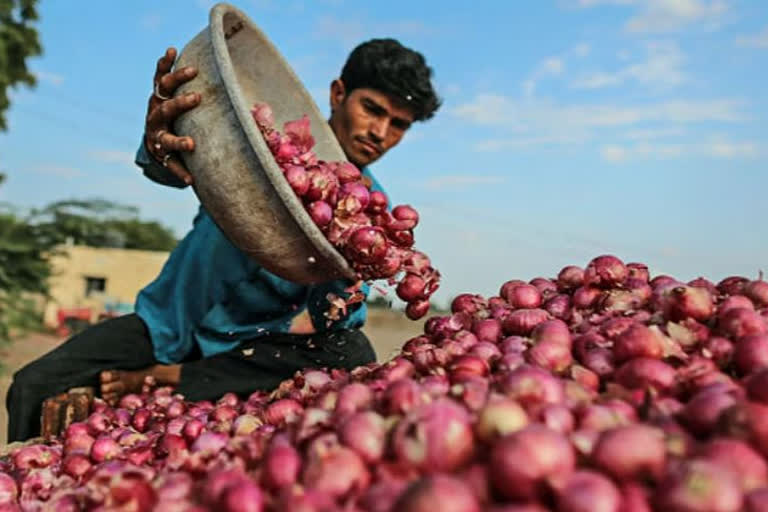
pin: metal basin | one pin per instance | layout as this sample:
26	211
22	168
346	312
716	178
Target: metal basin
235	176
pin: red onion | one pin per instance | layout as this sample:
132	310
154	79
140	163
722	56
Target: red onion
347	172
104	448
637	341
210	443
559	306
523	321
532	386
468	303
411	288
468	366
757	386
323	184
736	323
377	202
365	433
550	355
382	495
498	418
751	353
740	459
524	463
488	329
558	417
75	465
282	465
282	411
438	492
733	285
353	397
584	297
192	429
321	213
552	330
689	302
435	436
700	485
630	452
523	296
297	178
244	496
336	473
587	491
402	396
600	361
570	277
406	216
417	309
644	372
605	271
703	411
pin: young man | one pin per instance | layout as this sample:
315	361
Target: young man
215	321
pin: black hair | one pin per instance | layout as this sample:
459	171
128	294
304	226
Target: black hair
387	66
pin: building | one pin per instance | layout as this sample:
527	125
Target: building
91	282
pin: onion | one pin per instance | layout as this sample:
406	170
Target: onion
353	397
557	417
740	459
406	216
637	341
297	178
559	306
468	303
75	465
570	277
584	297
282	411
630	452
757	386
435	436
417	309
550	355
689	302
104	448
523	296
644	372
638	271
488	329
523	321
757	291
751	353
587	491
733	285
365	433
555	331
336	472
468	366
282	466
438	492
377	202
702	412
605	271
719	349
532	386
700	485
321	213
243	496
499	417
525	463
402	396
736	323
411	288
486	351
756	501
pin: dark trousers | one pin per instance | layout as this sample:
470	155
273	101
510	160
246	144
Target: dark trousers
123	344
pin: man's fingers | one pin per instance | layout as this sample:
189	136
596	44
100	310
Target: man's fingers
167	112
170	142
169	82
165	63
173	163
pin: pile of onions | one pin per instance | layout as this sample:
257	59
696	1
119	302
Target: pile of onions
601	389
376	241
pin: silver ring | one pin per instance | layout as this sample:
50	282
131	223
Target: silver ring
157	93
158	136
165	159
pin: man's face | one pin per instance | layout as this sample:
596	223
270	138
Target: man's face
366	122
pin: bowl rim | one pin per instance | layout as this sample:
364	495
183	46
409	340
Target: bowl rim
270	167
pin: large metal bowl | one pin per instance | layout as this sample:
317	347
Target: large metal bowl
235	176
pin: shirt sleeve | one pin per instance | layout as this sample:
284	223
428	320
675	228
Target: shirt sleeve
154	169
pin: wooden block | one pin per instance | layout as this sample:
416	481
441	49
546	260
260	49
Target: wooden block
50	418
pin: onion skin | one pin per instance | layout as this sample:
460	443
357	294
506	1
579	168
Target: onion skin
699	485
438	492
588	491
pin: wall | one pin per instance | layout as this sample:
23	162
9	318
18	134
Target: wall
125	272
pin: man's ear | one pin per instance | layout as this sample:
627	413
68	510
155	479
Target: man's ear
338	93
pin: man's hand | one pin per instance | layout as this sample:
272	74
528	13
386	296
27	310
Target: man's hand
302	324
163	110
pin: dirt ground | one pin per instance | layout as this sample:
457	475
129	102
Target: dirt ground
387	329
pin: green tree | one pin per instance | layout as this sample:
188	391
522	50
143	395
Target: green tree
25	251
102	223
18	41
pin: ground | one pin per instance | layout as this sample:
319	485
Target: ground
387	329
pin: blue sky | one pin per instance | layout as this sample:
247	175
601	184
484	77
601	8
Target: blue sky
570	128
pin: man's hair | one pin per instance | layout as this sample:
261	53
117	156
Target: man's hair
389	67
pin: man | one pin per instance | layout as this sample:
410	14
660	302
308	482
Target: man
215	321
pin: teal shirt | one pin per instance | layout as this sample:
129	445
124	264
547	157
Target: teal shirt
210	295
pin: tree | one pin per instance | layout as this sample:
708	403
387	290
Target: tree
102	223
25	252
18	41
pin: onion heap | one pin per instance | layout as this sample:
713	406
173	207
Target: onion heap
376	241
601	389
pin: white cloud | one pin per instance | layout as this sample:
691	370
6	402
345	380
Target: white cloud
666	15
759	40
492	109
714	148
51	78
112	157
442	182
662	68
654	133
551	66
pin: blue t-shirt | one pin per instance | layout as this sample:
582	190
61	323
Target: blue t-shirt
212	296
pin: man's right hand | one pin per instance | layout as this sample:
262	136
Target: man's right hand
163	110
